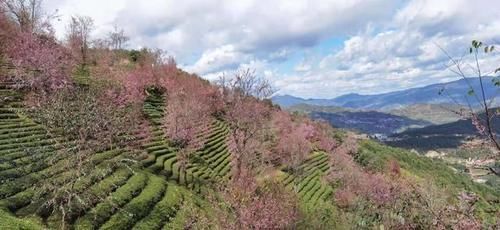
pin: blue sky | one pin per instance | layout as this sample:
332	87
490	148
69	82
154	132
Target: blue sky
312	49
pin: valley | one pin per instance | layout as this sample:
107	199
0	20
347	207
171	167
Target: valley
433	130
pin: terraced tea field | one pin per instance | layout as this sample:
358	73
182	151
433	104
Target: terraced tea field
114	196
118	195
307	180
212	161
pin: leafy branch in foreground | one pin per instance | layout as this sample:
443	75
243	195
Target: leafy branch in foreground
483	123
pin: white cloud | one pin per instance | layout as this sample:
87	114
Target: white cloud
406	53
250	25
389	44
303	67
103	12
224	57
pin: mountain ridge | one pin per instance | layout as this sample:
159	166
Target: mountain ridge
456	92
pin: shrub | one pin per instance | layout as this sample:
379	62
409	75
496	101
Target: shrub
321	215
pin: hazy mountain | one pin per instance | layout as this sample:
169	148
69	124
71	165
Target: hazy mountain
449	135
288	101
423	95
434	113
369	122
307	108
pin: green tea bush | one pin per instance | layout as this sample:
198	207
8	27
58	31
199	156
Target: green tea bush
139	206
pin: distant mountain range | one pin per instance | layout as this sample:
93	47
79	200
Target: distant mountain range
394	112
457	90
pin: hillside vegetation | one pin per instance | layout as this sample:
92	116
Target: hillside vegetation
158	192
98	137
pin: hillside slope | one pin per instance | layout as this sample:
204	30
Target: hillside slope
115	196
154	194
147	195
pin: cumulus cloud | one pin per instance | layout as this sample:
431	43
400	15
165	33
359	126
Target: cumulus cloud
250	25
224	57
407	52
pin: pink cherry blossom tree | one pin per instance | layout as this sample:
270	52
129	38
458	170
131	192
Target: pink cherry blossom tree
247	120
293	139
90	119
323	137
191	106
265	205
247	117
40	63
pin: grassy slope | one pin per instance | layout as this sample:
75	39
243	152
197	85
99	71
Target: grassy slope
8	221
375	156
